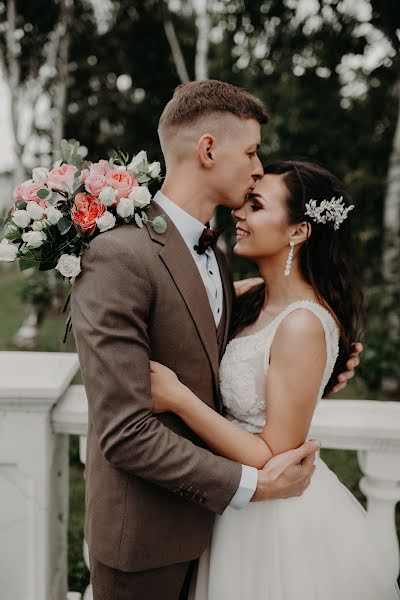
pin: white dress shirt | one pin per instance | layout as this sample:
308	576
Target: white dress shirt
191	230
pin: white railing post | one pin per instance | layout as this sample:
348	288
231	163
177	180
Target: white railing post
34	471
381	486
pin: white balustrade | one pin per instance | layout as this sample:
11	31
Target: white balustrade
38	412
34	476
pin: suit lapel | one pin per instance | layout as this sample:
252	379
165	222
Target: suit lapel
183	270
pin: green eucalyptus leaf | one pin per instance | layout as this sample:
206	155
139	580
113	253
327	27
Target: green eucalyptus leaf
64	225
138	220
43	193
143	178
20	204
26	263
13	233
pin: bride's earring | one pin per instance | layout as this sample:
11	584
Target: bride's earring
289	259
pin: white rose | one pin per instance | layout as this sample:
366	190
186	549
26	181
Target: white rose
34	239
106	221
154	169
125	208
69	265
34	210
107	196
37	226
21	218
141	196
40	174
137	161
8	252
53	215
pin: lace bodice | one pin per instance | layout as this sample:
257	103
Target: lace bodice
245	365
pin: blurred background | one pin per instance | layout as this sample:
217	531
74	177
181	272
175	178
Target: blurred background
101	71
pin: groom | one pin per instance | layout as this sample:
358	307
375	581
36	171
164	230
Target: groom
152	488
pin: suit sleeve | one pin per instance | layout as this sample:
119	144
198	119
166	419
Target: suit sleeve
111	302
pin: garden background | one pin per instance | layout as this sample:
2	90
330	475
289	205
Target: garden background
101	72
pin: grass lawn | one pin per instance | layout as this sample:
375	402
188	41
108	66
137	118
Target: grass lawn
12	311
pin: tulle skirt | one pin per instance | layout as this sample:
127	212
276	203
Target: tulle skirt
315	547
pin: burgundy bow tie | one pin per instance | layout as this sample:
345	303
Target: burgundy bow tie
208	238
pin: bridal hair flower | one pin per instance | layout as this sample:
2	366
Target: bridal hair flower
328	210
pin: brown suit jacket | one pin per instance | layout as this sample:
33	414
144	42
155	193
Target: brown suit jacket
152	489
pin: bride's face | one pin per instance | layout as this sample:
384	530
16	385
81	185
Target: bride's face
262	229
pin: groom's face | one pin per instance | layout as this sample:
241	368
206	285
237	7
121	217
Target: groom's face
237	166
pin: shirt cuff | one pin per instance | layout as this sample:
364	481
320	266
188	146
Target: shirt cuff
246	489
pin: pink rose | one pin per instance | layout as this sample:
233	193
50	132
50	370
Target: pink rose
60	175
122	182
18	192
100	168
85	211
95	183
84	174
27	191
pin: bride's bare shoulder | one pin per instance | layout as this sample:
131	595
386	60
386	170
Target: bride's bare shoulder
300	328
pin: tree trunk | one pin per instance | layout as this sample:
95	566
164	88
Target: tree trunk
173	41
61	83
391	251
14	79
202	44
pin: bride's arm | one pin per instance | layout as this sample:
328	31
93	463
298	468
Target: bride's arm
297	363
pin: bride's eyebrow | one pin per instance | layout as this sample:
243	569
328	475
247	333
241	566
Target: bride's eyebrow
253	196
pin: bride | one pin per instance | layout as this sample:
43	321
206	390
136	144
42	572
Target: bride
291	337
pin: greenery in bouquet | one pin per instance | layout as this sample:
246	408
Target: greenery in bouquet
58	212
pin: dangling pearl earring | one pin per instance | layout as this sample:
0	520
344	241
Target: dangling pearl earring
289	260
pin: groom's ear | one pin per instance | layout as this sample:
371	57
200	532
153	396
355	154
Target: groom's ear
205	148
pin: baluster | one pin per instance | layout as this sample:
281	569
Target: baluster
381	486
88	594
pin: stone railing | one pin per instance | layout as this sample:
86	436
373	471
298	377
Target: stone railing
40	409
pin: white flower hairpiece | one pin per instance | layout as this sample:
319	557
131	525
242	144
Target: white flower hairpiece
328	210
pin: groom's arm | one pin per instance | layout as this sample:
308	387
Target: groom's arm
111	301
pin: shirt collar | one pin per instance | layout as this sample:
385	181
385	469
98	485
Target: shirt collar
189	227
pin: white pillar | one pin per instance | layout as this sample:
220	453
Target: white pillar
381	486
34	471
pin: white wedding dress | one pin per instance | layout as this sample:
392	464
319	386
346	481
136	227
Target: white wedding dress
314	547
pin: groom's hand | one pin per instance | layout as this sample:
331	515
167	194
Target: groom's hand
288	474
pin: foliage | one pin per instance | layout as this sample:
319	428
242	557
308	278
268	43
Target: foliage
36	290
381	356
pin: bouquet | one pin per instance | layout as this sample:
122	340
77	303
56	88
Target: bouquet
58	212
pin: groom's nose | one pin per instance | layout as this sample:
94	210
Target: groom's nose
258	170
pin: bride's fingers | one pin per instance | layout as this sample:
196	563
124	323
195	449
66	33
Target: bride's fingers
338	387
357	347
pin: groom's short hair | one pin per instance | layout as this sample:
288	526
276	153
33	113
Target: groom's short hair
197	99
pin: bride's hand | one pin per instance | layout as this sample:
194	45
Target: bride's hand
165	387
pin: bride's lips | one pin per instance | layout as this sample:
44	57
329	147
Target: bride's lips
241	233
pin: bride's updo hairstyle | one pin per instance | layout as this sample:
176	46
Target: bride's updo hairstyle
325	259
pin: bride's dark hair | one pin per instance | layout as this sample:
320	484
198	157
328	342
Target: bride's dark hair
326	258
